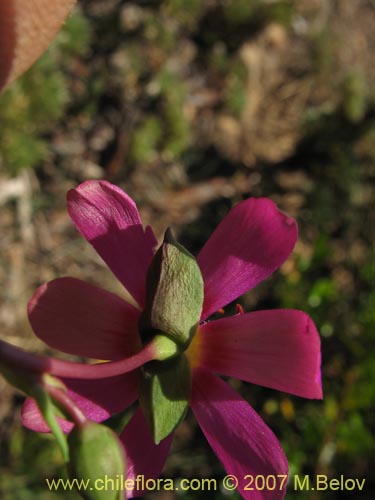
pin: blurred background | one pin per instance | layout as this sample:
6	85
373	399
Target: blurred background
191	106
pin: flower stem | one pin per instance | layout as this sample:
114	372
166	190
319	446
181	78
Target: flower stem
69	369
70	407
18	359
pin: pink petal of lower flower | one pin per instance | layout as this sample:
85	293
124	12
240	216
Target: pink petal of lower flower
82	319
98	400
238	436
279	348
145	459
108	218
253	240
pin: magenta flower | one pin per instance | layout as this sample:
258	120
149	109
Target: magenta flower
279	349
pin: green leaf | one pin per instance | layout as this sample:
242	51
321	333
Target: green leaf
164	395
96	453
174	295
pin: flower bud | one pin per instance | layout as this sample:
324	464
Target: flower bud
96	454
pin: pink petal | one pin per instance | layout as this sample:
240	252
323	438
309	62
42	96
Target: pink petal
145	459
278	349
98	400
108	218
238	436
82	319
253	240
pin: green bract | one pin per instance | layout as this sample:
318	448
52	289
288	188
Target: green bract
96	453
174	299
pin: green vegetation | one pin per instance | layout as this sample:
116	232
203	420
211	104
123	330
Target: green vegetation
37	101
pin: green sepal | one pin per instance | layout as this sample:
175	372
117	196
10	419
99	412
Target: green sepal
174	294
164	395
96	453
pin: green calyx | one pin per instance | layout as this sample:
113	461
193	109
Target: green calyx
174	299
174	294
